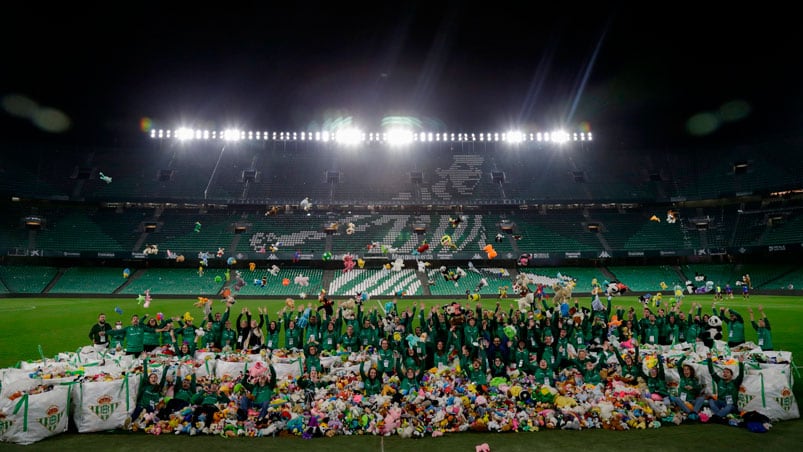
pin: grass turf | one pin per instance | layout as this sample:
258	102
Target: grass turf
62	324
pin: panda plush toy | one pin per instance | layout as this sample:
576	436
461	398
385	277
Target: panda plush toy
713	331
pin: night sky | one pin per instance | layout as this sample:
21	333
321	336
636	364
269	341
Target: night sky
637	76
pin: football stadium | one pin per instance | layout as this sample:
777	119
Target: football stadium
399	226
421	258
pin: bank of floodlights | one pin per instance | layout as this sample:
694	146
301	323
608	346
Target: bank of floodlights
393	137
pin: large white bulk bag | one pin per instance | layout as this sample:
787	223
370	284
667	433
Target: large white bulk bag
34	417
103	405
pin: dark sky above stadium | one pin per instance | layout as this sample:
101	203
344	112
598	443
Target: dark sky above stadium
641	77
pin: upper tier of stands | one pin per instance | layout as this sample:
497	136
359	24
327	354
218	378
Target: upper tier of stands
426	173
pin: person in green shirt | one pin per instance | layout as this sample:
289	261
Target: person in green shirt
228	337
312	360
543	374
116	336
292	333
498	368
272	335
762	328
590	372
183	394
386	359
260	393
208	338
350	341
369	336
651	331
187	331
690	398
372	381
330	337
410	381
521	358
218	322
206	402
477	373
727	389
735	326
149	394
184	351
99	333
134	337
410	360
629	366
656	382
441	356
151	338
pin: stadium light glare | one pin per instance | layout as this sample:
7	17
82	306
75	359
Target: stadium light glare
515	137
399	137
231	135
183	134
349	136
560	136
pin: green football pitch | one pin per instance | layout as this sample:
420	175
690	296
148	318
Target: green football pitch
62	324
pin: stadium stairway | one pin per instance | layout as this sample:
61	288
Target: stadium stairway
131	277
422	277
326	281
608	274
55	279
234	242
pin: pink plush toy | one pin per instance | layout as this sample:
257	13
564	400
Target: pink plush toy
348	263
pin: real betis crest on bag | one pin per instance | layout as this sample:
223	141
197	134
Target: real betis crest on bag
744	398
786	399
104	407
5	423
52	418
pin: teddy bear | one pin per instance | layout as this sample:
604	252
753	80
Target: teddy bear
562	292
713	332
348	308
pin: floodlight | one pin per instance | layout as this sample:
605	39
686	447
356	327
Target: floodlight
399	137
560	136
515	137
349	136
231	135
184	133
